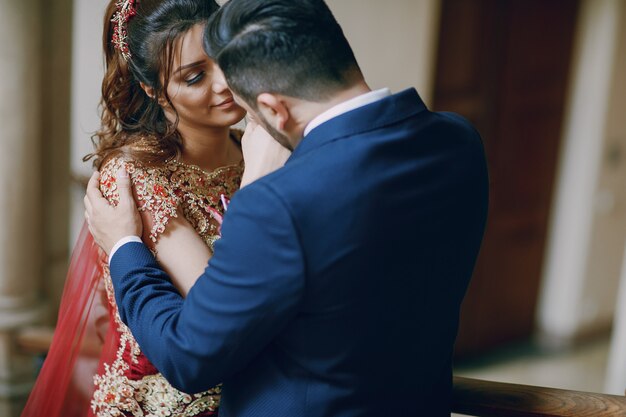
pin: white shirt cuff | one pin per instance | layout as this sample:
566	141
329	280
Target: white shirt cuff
122	242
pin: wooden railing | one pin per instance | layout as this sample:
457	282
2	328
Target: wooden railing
471	397
474	397
35	340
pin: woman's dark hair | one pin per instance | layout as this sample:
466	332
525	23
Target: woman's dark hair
133	122
291	47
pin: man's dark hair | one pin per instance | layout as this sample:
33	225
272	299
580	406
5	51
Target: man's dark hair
290	47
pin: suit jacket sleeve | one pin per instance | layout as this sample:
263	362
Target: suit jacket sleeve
248	293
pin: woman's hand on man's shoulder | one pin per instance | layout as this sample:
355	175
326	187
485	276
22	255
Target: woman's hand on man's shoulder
262	154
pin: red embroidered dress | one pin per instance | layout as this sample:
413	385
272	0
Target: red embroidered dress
130	385
94	366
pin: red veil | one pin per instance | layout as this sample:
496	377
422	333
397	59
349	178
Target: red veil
81	339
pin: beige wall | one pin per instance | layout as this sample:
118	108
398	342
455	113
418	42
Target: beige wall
394	44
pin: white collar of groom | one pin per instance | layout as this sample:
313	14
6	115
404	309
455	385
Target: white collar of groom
346	106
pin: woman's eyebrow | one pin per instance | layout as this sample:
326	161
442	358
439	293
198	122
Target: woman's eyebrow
193	64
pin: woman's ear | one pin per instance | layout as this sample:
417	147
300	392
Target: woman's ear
152	94
147	89
274	110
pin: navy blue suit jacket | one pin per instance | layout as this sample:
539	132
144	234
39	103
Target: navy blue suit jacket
335	288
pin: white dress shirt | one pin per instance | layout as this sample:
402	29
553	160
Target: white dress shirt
122	242
346	106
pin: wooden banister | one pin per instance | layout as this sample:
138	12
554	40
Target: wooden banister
497	399
35	340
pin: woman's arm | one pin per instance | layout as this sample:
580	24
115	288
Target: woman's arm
181	252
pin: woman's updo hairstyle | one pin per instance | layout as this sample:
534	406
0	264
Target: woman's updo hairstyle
132	122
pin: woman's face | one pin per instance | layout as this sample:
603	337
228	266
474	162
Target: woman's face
197	87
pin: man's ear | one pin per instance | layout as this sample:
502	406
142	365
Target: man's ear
273	108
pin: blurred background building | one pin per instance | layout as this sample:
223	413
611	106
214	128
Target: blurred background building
543	81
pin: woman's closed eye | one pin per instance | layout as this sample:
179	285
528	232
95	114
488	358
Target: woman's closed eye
194	78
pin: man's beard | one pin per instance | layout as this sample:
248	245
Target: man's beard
280	138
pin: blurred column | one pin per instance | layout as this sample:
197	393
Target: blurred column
616	367
55	68
570	303
20	204
613	183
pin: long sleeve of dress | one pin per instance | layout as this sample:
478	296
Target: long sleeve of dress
248	293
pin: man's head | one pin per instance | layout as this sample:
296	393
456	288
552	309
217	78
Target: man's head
274	51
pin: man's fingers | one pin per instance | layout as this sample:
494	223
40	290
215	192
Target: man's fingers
107	222
124	188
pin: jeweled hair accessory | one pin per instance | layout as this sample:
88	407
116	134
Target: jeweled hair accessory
125	10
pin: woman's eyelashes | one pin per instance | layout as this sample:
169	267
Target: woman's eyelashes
194	78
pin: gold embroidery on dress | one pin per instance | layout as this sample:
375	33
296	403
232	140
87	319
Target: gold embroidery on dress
160	191
150	396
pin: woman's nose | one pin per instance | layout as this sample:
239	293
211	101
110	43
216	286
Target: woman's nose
219	81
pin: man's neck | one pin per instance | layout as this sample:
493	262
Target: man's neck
341	97
307	111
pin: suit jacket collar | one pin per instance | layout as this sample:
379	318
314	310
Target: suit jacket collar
363	119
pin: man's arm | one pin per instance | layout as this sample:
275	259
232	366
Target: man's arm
249	292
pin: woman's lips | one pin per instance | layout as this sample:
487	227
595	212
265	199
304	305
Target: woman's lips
226	103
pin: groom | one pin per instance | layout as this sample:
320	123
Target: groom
335	288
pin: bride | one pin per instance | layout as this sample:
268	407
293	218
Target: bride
166	121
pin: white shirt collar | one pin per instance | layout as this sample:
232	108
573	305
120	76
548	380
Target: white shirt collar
346	106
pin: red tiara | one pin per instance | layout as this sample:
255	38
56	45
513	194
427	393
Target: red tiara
125	10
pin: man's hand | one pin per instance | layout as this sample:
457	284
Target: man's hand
261	153
107	223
